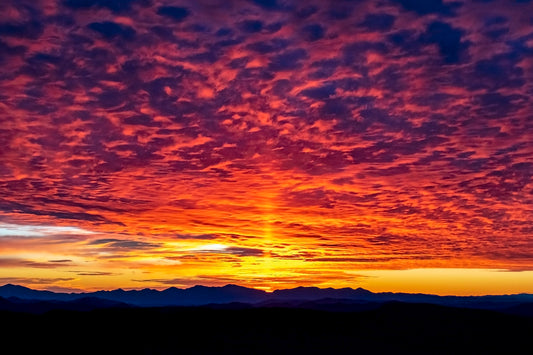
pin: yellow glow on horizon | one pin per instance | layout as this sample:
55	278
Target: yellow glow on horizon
271	274
449	281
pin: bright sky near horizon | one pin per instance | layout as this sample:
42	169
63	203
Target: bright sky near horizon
381	144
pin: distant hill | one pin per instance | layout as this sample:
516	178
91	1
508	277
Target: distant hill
343	299
22	292
14	304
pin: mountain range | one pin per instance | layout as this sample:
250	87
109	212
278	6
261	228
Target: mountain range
20	298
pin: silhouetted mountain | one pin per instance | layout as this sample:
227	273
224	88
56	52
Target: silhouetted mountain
315	293
22	292
194	296
198	295
15	304
299	297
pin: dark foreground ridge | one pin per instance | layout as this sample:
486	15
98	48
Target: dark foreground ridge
393	328
19	298
239	320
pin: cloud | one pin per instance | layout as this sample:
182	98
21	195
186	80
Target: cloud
30	29
429	6
269	5
11	206
288	60
197	236
174	12
94	273
242	251
378	22
251	26
271	46
114	6
281	131
111	30
313	32
18	230
319	93
448	39
224	249
14	262
120	244
47	281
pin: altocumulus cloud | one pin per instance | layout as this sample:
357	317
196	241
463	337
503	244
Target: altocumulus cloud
276	129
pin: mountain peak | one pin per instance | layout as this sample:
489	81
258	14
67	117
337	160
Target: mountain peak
171	289
203	295
236	287
10	290
361	290
316	293
9	286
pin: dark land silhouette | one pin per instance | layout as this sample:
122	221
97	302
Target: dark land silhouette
300	321
393	327
299	297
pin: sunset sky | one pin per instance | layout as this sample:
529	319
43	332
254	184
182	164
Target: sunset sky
267	143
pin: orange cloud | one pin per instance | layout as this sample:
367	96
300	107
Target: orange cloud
308	144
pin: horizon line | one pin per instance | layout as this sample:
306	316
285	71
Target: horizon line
258	289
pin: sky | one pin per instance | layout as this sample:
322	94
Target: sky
267	143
